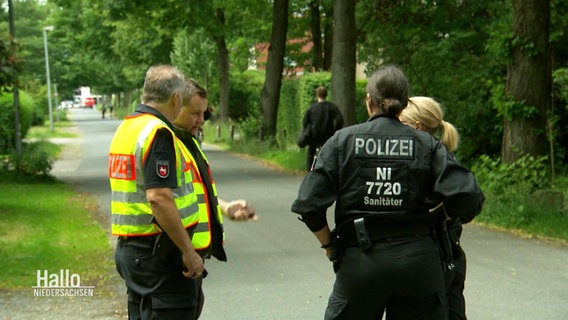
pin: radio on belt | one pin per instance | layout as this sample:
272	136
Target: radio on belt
362	234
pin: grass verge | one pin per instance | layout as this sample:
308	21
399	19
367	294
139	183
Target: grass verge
44	132
50	227
291	159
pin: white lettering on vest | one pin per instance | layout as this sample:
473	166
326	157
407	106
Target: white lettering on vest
382	201
384	147
122	166
384	173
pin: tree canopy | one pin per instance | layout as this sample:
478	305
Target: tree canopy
459	52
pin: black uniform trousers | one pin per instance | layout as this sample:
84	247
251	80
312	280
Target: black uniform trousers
156	288
455	278
402	276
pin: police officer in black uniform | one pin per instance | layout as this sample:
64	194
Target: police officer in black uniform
379	174
426	114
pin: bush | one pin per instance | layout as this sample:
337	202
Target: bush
507	188
527	174
245	92
250	125
34	165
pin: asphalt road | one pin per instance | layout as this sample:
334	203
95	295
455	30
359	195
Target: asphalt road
276	269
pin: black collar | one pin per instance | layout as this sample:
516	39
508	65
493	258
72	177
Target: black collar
142	109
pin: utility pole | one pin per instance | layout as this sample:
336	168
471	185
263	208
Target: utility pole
56	95
45	29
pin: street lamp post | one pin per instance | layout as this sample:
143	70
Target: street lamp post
56	104
45	29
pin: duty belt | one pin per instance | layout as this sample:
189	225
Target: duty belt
364	231
140	239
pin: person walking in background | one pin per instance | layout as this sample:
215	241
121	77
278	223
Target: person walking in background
379	175
154	205
323	118
187	125
424	113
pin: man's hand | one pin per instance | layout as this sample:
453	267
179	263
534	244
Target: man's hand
166	213
193	265
240	210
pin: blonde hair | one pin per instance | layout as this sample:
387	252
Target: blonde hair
430	114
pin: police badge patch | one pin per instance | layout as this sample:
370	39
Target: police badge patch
163	168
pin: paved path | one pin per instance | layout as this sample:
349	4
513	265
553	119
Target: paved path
276	269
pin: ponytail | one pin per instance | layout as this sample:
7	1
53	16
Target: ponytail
449	136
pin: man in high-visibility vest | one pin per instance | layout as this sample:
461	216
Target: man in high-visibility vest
154	204
187	125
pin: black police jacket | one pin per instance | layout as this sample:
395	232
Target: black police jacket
324	118
382	168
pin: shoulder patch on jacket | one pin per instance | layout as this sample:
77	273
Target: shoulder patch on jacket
163	168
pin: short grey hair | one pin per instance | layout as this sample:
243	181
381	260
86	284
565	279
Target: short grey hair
161	82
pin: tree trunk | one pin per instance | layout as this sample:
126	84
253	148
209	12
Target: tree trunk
315	23
528	81
16	93
223	69
274	66
344	59
327	37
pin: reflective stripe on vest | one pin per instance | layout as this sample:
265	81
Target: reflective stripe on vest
131	212
202	235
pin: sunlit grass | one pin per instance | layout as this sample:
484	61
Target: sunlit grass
49	227
44	132
289	158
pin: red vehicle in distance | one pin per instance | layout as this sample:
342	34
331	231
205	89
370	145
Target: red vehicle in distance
89	102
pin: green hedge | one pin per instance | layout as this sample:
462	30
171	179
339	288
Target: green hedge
296	95
7	123
244	94
289	118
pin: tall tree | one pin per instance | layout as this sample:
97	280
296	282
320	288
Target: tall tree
235	27
275	65
327	33
188	54
528	81
29	18
9	55
83	50
344	58
223	60
450	50
315	25
312	22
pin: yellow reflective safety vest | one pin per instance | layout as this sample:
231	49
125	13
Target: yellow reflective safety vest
131	211
202	235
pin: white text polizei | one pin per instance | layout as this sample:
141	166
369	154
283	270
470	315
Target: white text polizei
381	147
